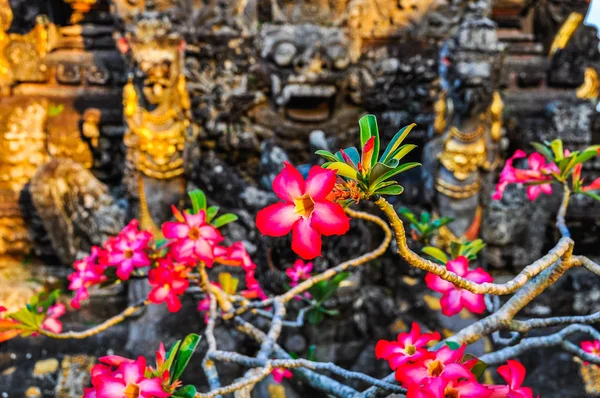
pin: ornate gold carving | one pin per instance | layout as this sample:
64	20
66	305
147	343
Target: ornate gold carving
80	8
589	88
440	109
146	221
90	127
496	110
457	191
64	140
565	32
460	157
21	56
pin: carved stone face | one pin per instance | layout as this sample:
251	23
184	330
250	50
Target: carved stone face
308	67
159	69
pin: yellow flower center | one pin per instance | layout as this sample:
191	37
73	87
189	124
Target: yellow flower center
131	391
451	393
128	253
410	349
194	233
435	368
304	205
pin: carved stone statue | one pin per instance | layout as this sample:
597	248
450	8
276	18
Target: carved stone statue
468	125
156	109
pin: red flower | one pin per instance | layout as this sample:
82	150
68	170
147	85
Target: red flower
51	323
444	388
514	374
454	299
9	328
408	348
87	273
194	239
127	381
253	289
595	185
305	211
592	347
299	271
444	363
281	373
538	171
127	250
235	255
169	282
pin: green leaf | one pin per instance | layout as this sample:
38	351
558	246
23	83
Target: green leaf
315	316
395	142
49	301
198	200
391	190
440	222
311	352
587	154
331	286
397	170
327	155
557	149
592	195
452	345
567	163
186	349
368	129
171	354
425	217
55	110
378	170
393	163
188	391
544	150
470	249
343	169
26	317
211	212
436	253
403	151
455	249
225	219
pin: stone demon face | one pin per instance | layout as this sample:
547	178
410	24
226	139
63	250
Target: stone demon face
308	69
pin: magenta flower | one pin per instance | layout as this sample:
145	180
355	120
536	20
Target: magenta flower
440	387
408	347
51	323
235	255
445	363
539	171
127	250
88	272
281	373
305	210
127	381
514	374
169	282
299	272
194	239
454	299
253	289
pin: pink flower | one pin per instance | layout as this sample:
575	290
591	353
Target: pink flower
127	250
408	348
592	347
169	282
235	255
514	374
281	373
253	289
595	185
538	171
299	272
127	381
305	211
454	299
194	239
51	323
445	363
444	388
87	273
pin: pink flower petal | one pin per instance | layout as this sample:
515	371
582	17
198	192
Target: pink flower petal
173	303
451	302
472	302
533	191
158	294
195	220
536	161
52	324
152	388
459	265
320	182
203	250
175	230
124	270
513	372
133	372
277	219
330	219
478	275
109	387
306	241
457	371
289	184
209	232
436	283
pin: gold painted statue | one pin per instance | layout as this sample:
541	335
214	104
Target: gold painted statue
468	130
157	114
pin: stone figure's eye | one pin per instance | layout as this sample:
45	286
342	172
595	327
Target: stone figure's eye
284	54
339	56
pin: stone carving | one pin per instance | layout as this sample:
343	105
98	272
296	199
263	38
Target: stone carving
468	146
77	209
